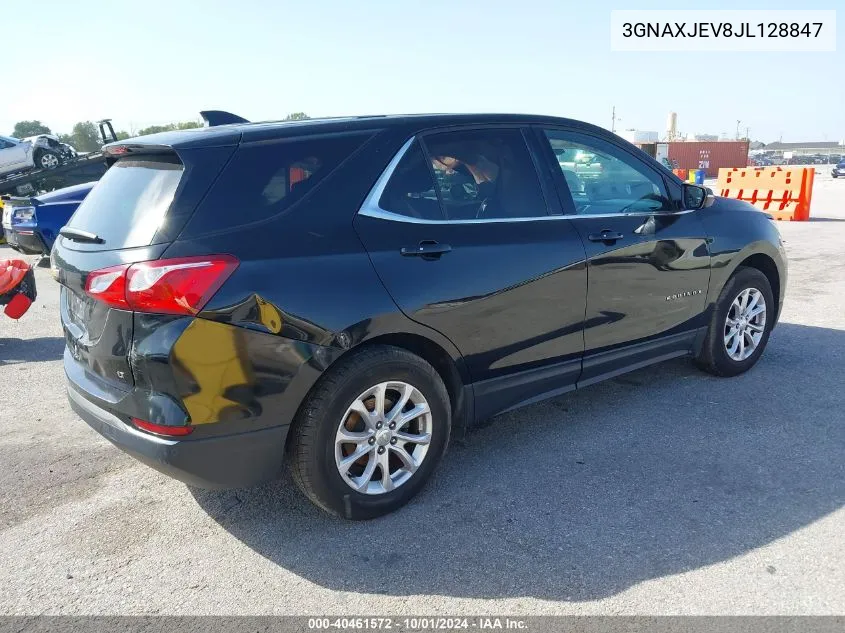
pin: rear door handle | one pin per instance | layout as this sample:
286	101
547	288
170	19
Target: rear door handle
427	249
605	236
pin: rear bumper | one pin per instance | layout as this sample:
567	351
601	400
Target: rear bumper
239	388
29	244
219	462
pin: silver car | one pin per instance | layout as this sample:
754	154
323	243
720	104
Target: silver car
43	151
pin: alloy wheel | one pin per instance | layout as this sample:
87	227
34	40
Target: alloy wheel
49	161
383	437
745	324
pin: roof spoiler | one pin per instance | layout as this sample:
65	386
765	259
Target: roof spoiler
214	118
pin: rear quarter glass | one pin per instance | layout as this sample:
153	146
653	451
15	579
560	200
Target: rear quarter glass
129	204
265	179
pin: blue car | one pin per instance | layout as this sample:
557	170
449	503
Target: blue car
32	228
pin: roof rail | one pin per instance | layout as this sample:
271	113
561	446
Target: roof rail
213	118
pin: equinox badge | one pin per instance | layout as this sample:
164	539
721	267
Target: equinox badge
681	295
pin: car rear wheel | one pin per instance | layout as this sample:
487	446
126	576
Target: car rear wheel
370	434
46	159
740	326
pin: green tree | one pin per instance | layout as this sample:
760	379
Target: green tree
296	116
29	128
122	135
85	137
155	129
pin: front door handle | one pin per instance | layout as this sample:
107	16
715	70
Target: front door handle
606	235
427	249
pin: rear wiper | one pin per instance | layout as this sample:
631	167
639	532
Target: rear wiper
80	236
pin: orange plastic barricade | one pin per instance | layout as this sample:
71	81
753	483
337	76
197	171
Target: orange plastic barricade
783	193
680	173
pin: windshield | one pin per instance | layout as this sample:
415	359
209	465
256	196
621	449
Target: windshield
130	202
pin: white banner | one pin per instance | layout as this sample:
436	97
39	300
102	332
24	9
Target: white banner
723	30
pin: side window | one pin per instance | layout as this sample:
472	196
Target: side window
410	190
604	179
5	144
485	174
265	179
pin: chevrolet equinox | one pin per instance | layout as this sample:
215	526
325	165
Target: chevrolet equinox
335	294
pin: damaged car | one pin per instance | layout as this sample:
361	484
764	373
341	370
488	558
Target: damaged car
31	225
44	151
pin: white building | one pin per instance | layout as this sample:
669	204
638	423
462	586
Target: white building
639	136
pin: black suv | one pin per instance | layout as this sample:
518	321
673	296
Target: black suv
336	293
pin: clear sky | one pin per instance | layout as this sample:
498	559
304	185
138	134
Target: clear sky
155	61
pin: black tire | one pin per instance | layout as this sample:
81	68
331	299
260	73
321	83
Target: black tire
311	448
42	154
713	356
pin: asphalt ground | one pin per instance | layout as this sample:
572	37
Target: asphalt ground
664	491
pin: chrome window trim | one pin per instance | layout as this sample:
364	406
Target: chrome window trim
370	204
389	215
371	208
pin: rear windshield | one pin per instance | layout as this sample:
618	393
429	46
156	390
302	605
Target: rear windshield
129	203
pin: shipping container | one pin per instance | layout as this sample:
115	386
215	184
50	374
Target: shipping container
709	155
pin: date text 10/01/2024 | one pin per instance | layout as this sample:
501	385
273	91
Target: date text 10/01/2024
721	29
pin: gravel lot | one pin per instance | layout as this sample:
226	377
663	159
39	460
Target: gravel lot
665	491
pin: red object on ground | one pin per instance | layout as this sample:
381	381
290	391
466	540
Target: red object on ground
11	273
17	287
17	306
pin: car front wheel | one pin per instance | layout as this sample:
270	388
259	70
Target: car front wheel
370	434
740	326
46	159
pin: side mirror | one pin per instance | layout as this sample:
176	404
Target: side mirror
696	197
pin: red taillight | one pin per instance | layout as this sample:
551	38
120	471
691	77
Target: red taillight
163	429
109	286
177	286
181	285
